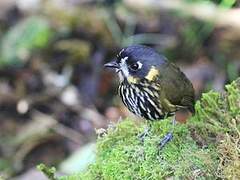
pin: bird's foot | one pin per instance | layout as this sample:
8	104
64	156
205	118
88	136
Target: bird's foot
143	135
168	137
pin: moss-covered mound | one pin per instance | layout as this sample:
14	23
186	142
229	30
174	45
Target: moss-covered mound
207	147
122	156
217	123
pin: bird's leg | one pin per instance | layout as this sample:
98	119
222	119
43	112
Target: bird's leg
145	133
168	136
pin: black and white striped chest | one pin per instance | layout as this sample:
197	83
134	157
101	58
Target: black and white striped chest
141	100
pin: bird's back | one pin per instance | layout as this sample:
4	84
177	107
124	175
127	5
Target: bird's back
176	87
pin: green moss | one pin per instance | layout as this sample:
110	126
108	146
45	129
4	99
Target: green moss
207	147
49	172
122	156
216	112
217	121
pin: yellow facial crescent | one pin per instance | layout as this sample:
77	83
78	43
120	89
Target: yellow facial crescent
152	74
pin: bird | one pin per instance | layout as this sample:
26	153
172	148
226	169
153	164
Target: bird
152	87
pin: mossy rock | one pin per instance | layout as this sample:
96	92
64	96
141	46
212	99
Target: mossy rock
217	122
207	147
122	156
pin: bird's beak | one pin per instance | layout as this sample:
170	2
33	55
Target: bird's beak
112	64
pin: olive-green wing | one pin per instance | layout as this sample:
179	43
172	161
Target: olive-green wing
176	89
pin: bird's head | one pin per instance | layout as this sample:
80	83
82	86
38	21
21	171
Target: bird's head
137	62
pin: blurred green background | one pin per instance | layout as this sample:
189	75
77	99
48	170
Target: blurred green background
54	91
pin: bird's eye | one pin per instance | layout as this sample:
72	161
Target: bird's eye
134	66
